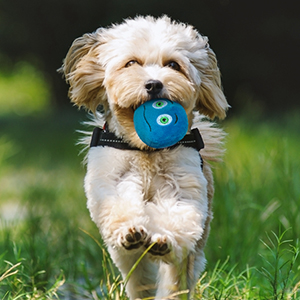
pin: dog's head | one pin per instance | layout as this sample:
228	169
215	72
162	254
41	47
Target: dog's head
125	65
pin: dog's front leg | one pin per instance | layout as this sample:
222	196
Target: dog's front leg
178	213
115	198
115	201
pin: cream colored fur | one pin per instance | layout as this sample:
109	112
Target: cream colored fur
137	198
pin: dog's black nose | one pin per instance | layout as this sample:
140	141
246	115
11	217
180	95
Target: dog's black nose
153	87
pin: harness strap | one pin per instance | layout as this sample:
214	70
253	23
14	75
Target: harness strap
103	138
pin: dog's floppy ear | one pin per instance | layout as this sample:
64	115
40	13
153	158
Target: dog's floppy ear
211	101
84	73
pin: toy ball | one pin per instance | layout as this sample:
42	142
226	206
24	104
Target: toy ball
160	123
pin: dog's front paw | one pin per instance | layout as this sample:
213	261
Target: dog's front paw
161	246
133	237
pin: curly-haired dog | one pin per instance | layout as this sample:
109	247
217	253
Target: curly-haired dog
139	196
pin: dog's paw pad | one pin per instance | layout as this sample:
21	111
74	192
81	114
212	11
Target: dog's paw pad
161	246
134	238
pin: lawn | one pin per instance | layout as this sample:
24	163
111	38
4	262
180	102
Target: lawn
50	249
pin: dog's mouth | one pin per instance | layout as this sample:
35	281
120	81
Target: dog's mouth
134	107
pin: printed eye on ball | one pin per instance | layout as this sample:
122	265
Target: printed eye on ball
160	123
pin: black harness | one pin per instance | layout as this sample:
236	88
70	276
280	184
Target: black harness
102	137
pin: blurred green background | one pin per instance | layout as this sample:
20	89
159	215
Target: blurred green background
257	42
42	203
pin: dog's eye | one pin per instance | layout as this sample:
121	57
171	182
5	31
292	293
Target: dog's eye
173	65
130	63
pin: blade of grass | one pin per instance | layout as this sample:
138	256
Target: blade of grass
135	266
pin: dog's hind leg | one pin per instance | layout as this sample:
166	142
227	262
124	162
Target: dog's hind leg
168	280
177	280
142	281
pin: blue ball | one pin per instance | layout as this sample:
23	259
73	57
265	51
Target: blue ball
160	123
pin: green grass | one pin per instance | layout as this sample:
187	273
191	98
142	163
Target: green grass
50	247
257	188
42	211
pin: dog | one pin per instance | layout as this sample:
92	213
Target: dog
140	197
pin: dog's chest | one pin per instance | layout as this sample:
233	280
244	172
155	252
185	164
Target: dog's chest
162	174
152	174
